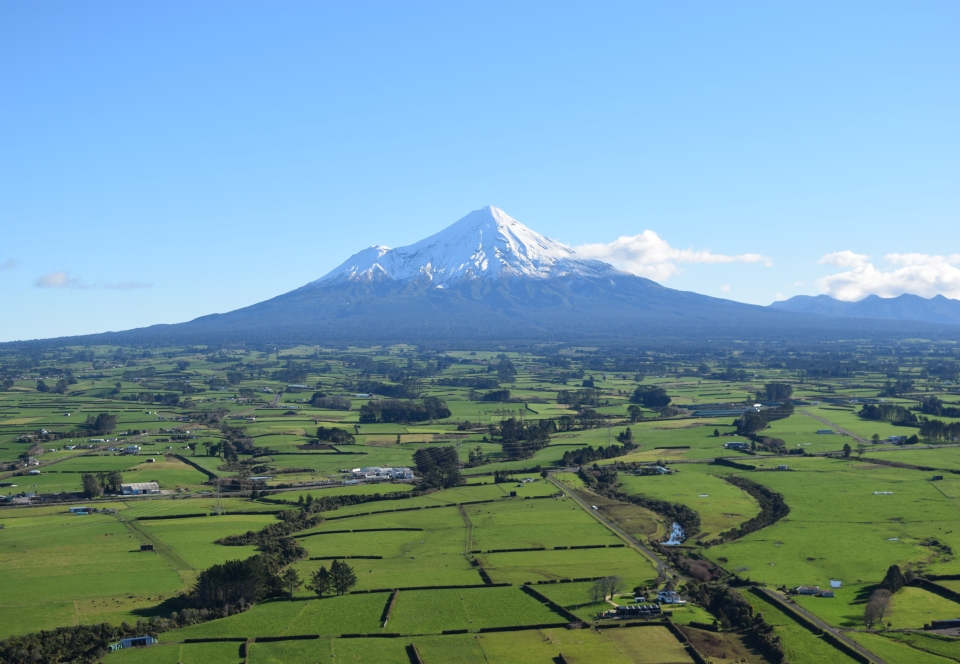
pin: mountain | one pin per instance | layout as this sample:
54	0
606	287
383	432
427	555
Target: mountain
489	280
486	244
937	309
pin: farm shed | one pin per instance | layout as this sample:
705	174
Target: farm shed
83	511
139	488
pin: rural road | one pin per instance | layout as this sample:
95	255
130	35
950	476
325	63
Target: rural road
831	424
662	567
781	601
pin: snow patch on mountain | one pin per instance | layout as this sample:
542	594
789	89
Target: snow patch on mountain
486	244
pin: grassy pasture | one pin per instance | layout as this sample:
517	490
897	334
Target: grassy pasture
179	653
533	523
520	567
800	645
330	616
430	611
721	505
896	651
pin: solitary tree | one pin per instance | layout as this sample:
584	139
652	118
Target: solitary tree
291	581
320	583
635	413
875	439
861	448
847	450
716	433
342	577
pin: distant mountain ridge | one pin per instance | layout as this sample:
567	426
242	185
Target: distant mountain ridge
937	309
489	280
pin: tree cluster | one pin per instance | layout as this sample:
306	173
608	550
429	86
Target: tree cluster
94	485
103	423
335	436
321	400
521	440
651	396
439	467
340	578
395	411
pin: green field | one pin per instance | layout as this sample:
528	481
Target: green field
442	548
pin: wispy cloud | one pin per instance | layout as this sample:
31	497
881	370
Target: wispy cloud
919	274
61	279
9	264
649	255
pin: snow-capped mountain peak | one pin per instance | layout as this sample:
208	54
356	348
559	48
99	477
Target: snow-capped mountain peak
487	243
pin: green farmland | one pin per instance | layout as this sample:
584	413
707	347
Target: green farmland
519	510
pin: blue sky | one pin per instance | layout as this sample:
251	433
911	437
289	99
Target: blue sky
161	161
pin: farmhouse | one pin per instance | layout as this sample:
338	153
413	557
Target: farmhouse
379	473
133	642
139	488
131	449
736	445
807	590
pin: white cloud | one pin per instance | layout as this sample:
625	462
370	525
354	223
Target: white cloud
9	264
649	255
725	288
919	274
61	279
57	280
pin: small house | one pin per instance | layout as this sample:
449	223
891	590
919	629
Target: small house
783	466
131	449
826	593
807	590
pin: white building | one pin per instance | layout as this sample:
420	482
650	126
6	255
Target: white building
139	488
131	449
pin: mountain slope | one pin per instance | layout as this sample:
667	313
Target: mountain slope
937	309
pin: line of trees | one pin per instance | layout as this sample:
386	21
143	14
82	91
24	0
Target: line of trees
772	508
939	431
887	412
589	454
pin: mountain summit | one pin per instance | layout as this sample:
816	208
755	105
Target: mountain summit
486	244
